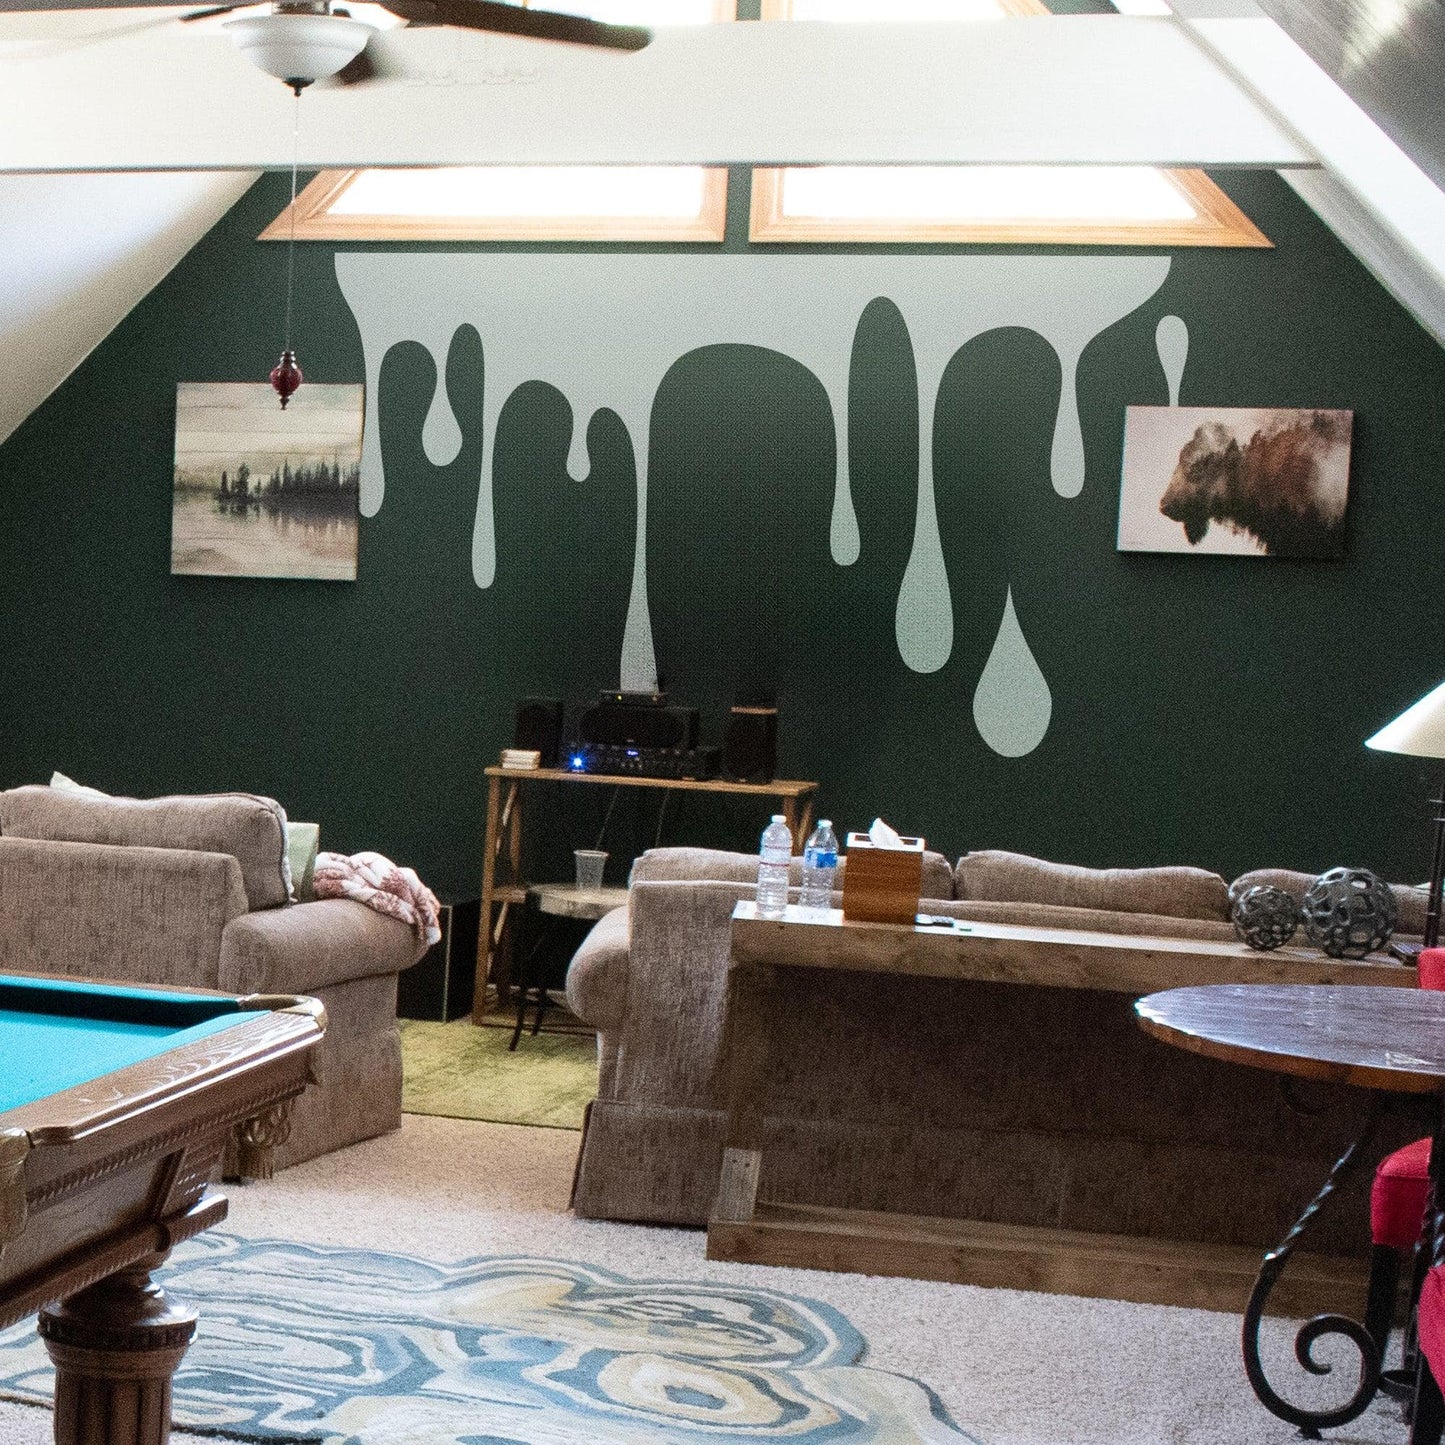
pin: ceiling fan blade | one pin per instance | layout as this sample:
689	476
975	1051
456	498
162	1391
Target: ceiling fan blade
495	15
206	14
360	70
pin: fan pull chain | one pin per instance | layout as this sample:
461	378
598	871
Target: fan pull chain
286	375
291	244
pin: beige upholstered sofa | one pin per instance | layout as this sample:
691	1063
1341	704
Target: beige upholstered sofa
992	1101
193	892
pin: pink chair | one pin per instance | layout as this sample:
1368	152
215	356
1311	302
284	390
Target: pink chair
1397	1209
1429	1414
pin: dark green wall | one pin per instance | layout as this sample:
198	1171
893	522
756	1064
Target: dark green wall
1206	709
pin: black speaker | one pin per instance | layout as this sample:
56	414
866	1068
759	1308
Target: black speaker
539	727
439	985
750	745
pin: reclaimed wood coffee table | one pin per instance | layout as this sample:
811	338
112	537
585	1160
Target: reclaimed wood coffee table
1387	1040
1085	1094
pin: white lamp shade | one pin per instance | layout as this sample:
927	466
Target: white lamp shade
300	46
1419	731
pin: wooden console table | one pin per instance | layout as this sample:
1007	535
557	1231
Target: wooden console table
1020	1255
503	887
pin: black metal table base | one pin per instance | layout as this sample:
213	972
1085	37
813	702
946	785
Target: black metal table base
1369	1340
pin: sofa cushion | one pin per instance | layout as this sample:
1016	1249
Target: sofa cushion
713	865
1092	920
1410	901
146	915
1176	892
251	829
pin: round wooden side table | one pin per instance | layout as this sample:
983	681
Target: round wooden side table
557	900
1387	1040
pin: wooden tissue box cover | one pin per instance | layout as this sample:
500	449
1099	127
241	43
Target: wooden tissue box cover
881	885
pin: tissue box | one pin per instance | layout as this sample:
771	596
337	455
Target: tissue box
881	885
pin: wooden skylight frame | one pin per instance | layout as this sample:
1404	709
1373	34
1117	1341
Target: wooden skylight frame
1217	222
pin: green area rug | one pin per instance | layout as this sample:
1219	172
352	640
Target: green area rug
464	1072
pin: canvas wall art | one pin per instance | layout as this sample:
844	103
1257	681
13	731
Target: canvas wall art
261	492
1258	482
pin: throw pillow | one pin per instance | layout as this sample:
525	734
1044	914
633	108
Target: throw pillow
1174	892
302	842
62	784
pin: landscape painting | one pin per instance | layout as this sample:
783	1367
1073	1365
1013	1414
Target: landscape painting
1257	482
261	492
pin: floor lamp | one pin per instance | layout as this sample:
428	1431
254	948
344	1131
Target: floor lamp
1419	732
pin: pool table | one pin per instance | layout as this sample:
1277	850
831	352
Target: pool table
116	1104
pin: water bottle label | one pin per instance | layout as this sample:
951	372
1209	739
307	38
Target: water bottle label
818	859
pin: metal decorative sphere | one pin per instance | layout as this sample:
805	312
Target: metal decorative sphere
1348	912
1265	917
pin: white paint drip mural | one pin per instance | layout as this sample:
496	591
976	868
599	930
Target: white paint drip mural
605	329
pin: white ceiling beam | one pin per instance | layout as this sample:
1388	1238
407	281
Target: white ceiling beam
153	94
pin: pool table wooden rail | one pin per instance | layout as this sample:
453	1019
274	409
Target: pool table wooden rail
139	1149
99	1181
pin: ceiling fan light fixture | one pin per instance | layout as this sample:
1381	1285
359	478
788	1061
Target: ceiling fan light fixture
300	46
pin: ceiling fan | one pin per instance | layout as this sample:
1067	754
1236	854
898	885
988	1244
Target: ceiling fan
300	41
306	40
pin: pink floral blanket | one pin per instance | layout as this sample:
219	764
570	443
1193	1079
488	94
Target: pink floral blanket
380	884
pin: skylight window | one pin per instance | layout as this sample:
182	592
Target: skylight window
961	194
667	192
1002	205
493	203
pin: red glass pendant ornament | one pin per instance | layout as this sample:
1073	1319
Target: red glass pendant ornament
286	376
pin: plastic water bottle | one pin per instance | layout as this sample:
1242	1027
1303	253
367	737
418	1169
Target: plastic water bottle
820	863
773	859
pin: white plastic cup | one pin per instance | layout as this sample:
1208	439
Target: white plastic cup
590	864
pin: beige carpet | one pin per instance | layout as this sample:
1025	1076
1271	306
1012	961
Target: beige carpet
1013	1368
459	1071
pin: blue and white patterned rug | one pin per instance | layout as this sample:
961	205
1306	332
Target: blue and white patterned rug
355	1347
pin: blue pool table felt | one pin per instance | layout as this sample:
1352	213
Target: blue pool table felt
42	1053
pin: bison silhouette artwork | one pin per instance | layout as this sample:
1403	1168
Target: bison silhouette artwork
1241	481
1285	485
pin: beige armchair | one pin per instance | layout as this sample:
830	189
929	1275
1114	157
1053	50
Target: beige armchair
193	892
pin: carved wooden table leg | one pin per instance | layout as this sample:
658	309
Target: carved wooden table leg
258	1139
116	1346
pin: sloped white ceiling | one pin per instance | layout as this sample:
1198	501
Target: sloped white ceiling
77	253
1374	196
